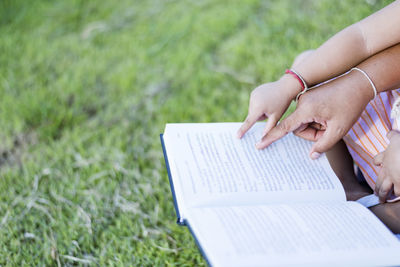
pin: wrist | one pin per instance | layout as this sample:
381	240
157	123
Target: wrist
361	85
290	85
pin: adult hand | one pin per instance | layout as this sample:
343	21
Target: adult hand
389	174
270	101
325	114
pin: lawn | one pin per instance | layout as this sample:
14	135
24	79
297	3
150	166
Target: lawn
87	86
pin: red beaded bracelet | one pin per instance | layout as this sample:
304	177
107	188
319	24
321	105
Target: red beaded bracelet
295	76
302	82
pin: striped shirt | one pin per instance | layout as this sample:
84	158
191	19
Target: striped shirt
367	137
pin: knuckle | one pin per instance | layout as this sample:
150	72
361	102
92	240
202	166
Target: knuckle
254	93
248	120
383	191
283	126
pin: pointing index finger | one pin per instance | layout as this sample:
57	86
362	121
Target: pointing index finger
247	124
291	123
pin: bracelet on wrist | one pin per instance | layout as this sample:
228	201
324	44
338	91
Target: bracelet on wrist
302	82
368	78
305	87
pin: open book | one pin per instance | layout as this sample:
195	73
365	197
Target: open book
272	207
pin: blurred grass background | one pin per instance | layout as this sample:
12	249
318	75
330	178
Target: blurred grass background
87	86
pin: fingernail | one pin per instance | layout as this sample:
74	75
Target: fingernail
315	155
258	145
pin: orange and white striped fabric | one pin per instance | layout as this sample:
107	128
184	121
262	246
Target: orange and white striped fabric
367	137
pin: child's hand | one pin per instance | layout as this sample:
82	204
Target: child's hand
389	174
270	101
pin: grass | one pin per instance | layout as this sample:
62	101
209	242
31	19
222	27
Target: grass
87	86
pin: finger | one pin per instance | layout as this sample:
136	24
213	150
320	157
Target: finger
309	133
330	137
271	122
397	190
302	127
317	126
384	190
291	123
378	159
247	124
379	181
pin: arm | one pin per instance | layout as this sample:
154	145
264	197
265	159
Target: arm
346	49
384	69
343	166
353	45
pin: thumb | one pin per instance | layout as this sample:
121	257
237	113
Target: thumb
378	159
330	137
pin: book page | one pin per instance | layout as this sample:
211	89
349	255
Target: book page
212	166
308	234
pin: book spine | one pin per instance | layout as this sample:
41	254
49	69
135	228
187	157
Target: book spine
198	244
180	221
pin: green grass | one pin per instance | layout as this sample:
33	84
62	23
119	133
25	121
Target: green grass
87	86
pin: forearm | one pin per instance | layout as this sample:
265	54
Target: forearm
384	69
352	46
343	51
342	164
389	214
340	160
